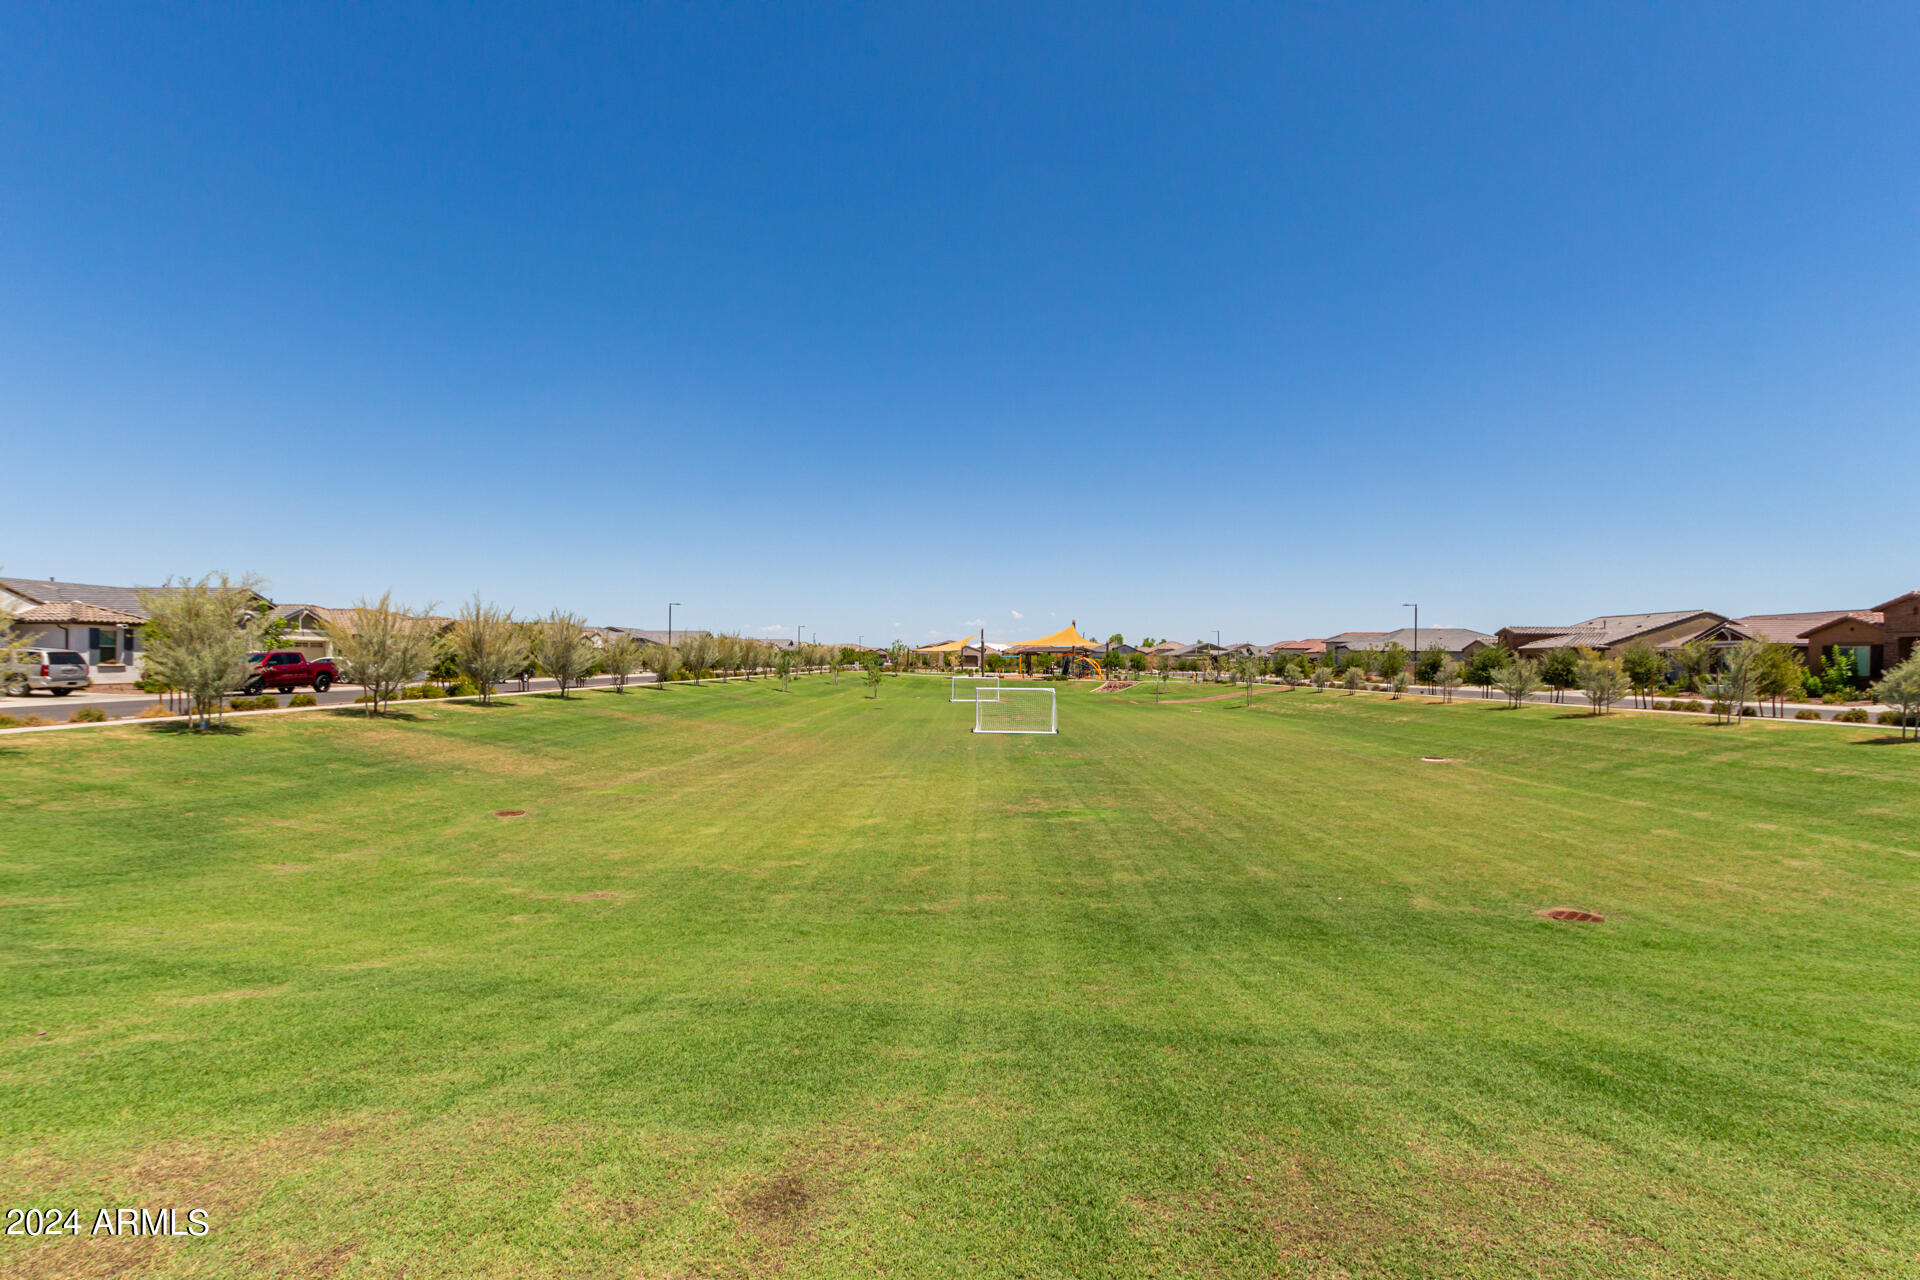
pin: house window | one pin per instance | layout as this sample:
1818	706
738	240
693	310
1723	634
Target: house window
105	643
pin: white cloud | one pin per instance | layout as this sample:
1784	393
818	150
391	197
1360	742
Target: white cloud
896	626
772	631
976	623
1016	613
930	633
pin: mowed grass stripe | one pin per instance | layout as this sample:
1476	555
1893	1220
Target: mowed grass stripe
811	983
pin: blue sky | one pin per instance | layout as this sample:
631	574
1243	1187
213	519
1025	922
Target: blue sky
908	319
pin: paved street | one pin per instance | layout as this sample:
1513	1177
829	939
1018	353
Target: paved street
118	705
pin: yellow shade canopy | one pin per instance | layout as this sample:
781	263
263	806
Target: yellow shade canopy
1066	640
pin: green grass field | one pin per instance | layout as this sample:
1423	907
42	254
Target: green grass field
814	985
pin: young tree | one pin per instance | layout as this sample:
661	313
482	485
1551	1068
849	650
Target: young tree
1733	683
1399	682
1393	660
1603	680
1483	665
1355	677
729	653
1560	671
661	659
1696	661
783	663
10	645
1779	673
198	636
870	672
1840	673
1448	678
620	660
385	645
1900	688
561	649
1322	674
1644	668
697	651
1290	674
898	655
1427	669
488	646
1518	680
1246	672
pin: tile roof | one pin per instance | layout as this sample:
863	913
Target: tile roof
1315	645
653	637
1449	638
1605	632
1872	617
78	613
337	617
1785	628
48	591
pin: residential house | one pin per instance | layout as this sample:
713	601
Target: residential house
1845	627
100	623
1311	649
307	627
1459	642
1344	643
1609	634
640	635
1882	637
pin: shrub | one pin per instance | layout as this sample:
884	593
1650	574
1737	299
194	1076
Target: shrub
1833	699
154	712
303	700
464	687
1886	717
1691	704
1806	713
1852	715
8	722
32	722
1658	706
265	702
416	693
88	715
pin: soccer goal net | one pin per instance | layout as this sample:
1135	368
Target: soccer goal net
1014	709
967	688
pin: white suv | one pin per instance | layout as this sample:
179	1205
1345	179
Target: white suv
58	671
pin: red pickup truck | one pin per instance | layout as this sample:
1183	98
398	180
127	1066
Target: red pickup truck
288	669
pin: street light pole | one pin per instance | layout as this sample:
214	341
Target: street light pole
1416	633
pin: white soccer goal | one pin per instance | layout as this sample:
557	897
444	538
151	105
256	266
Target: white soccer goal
1015	709
967	688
